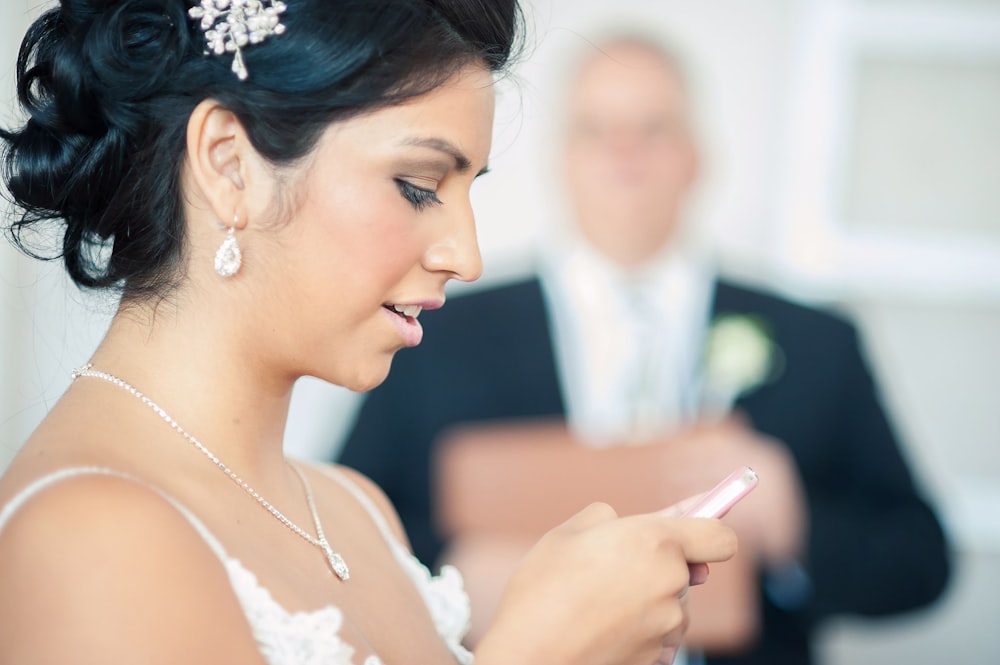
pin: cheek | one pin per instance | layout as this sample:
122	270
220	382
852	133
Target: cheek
357	222
673	162
585	168
371	248
383	258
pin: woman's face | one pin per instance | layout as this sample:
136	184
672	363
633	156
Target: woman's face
381	220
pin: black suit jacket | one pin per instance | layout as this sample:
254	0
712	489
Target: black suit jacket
875	546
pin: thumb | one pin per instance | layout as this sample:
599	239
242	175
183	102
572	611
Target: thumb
678	509
595	513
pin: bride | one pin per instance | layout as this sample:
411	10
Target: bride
276	190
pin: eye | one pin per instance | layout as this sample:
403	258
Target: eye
418	197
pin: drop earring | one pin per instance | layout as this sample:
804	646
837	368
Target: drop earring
229	258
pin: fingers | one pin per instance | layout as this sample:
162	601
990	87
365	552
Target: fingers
671	642
701	540
592	515
667	655
578	566
698	573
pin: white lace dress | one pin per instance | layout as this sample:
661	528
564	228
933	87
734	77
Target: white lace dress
307	638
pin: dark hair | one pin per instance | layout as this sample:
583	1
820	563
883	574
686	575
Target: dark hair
109	85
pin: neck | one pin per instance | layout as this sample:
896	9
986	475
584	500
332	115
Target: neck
207	377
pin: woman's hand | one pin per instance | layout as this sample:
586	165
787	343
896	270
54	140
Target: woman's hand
771	522
604	590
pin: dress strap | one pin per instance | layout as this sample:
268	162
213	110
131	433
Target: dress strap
39	485
444	594
362	497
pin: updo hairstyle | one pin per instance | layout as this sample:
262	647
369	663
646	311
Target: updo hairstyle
108	86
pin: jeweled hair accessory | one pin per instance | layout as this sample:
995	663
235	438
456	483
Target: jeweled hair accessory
229	25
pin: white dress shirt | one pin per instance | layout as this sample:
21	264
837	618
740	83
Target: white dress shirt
628	342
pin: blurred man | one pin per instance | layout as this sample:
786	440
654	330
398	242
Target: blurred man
630	373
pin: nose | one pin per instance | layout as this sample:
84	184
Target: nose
625	143
455	250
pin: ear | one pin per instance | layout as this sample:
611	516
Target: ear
219	153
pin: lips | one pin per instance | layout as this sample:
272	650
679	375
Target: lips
404	318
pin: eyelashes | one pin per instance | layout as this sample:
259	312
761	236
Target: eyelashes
418	197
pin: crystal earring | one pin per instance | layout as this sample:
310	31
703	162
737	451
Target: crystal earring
229	258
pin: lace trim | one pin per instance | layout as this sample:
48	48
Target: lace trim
289	638
312	637
446	599
305	637
444	594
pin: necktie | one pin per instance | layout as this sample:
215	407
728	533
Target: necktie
651	398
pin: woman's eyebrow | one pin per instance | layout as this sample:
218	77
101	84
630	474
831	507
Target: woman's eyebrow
462	163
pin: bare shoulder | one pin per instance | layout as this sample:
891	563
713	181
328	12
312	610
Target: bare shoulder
377	496
123	575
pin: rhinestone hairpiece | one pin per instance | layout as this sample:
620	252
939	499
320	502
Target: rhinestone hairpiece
229	25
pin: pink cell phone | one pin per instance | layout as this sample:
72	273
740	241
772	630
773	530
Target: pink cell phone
725	495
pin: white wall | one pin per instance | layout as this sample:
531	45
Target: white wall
47	327
775	83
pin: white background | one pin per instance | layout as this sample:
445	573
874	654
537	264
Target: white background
851	159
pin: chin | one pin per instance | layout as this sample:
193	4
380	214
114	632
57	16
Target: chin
368	377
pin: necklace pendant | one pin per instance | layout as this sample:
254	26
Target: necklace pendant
339	566
337	563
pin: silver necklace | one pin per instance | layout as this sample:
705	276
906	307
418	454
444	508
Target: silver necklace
337	563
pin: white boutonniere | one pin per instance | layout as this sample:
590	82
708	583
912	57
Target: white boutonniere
740	356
